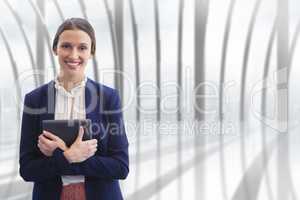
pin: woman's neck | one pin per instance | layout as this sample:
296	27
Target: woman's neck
69	83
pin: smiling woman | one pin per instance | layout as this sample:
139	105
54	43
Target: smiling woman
82	170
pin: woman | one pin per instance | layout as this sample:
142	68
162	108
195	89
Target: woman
87	169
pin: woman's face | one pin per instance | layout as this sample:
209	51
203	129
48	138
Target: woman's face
73	51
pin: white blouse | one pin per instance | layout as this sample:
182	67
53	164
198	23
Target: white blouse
70	105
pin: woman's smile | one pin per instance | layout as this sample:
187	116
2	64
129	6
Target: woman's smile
73	64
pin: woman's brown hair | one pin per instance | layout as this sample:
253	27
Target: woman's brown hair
76	24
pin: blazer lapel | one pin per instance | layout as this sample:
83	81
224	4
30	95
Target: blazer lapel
91	100
49	101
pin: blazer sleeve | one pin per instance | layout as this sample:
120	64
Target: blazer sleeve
34	166
116	164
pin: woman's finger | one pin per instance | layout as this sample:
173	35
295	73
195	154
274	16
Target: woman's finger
49	144
91	142
41	140
45	140
80	134
94	141
50	135
42	147
93	146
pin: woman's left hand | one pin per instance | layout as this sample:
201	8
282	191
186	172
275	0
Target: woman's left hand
48	142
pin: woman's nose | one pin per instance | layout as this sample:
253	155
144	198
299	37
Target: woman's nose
74	53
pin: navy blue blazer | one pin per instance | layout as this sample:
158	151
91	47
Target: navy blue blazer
102	171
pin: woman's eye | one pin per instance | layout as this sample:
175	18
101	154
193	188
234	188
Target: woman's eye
83	48
65	46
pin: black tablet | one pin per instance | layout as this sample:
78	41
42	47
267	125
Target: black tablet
68	130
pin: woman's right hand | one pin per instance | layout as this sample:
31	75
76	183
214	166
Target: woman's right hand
81	150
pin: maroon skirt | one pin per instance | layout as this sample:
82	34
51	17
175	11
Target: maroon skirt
74	191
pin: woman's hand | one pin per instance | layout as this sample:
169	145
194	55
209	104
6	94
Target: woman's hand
81	150
48	142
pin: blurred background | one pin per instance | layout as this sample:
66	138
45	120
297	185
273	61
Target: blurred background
209	91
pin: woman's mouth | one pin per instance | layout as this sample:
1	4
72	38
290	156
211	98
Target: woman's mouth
73	64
